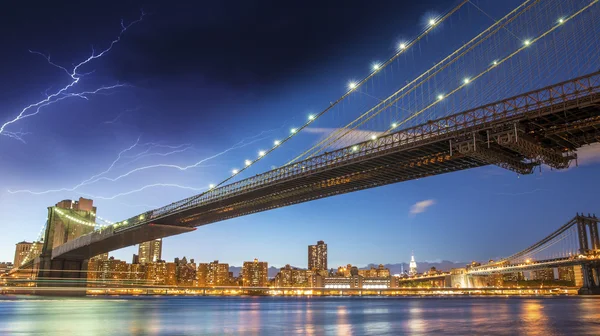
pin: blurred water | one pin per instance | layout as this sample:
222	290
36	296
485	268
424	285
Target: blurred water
301	316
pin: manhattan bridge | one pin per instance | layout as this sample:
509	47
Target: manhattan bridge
521	94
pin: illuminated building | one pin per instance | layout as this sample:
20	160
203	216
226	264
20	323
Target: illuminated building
94	266
136	273
317	256
156	272
109	270
170	274
6	267
185	272
379	272
566	273
150	251
254	273
413	266
291	277
25	249
516	276
213	274
342	282
546	274
376	283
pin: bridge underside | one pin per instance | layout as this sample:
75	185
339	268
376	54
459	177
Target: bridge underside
519	146
543	127
100	242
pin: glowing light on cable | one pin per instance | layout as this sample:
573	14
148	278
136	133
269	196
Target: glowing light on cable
311	117
527	42
352	85
394	125
432	22
235	171
402	46
293	130
561	21
210	186
262	153
440	97
376	66
495	62
247	162
276	142
373	137
466	80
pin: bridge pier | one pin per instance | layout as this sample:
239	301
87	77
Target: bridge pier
591	279
61	276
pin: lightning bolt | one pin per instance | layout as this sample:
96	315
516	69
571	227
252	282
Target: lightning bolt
145	153
66	91
172	185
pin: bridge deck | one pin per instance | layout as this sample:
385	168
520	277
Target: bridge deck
546	125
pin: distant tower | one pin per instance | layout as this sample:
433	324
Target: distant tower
413	265
317	256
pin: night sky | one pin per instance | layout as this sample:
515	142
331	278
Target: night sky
220	81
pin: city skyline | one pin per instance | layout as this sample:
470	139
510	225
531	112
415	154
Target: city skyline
457	215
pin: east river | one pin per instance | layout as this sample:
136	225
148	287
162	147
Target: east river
27	315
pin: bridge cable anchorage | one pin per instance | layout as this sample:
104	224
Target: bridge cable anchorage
508	18
355	85
464	83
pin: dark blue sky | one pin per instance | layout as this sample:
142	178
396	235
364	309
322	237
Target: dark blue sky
209	77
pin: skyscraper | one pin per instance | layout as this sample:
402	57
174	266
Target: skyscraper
317	256
150	251
412	265
254	273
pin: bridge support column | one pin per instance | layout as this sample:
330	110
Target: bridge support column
591	280
595	237
62	276
582	234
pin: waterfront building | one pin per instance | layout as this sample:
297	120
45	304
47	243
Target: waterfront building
291	277
25	251
185	272
254	273
514	277
317	256
566	273
213	274
338	282
150	251
379	272
156	272
6	267
546	274
376	283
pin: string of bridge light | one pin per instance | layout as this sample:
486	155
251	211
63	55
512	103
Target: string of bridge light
352	87
494	64
39	239
75	219
506	19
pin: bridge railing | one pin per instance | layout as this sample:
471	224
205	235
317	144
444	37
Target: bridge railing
576	92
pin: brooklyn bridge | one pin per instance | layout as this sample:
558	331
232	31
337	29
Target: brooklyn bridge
523	94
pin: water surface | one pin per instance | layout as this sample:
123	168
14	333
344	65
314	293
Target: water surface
26	315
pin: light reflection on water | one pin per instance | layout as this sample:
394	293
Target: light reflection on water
303	316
